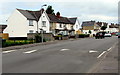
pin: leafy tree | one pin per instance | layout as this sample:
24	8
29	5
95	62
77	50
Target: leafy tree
50	10
103	28
89	32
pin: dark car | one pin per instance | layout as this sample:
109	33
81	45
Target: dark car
99	35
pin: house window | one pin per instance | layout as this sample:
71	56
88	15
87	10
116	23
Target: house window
30	31
44	23
76	26
30	22
71	27
60	25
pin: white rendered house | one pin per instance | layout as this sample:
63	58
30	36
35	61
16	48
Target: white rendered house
22	22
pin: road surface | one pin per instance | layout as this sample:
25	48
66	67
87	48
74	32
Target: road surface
72	56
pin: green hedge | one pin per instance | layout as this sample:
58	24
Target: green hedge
6	43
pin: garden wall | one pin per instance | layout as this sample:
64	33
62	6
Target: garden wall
47	36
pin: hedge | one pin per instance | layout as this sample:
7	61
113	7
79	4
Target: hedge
6	43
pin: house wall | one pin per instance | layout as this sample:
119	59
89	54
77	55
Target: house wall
52	26
76	26
113	30
87	32
58	26
88	27
17	25
96	26
34	27
69	26
44	18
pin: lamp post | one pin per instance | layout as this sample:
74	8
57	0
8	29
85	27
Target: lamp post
41	23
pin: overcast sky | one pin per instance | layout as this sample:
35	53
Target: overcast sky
85	10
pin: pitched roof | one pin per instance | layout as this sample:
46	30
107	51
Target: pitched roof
2	27
114	26
54	18
88	23
73	20
26	14
32	15
35	15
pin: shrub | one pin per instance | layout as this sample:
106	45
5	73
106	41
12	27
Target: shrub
38	38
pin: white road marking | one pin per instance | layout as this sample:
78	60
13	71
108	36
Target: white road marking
109	49
28	52
8	51
92	51
64	49
101	54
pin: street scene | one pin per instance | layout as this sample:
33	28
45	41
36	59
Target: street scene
60	37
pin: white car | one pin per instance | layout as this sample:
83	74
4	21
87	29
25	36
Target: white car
107	35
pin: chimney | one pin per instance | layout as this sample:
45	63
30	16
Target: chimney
58	14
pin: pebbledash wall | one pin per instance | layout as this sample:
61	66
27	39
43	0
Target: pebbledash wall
47	36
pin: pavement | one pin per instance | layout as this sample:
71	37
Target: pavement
87	55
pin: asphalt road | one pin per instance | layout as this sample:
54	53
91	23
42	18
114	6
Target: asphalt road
72	56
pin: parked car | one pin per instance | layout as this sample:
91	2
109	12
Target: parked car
118	34
107	35
99	35
113	33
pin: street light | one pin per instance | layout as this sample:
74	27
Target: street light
41	23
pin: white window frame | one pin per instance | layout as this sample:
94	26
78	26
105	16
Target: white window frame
43	23
60	26
31	31
30	22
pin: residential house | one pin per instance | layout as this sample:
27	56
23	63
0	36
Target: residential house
22	22
60	25
110	28
90	26
76	25
113	28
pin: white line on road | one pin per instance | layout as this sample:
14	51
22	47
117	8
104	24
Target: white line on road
28	52
101	54
109	48
92	51
64	49
8	51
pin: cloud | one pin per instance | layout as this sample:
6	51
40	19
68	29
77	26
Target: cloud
3	18
103	10
102	18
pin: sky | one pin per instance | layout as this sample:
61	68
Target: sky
85	10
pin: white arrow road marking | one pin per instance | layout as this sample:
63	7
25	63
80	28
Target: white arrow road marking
64	49
92	51
8	51
28	52
101	54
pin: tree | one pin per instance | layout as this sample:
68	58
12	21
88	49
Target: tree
89	32
103	28
50	10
